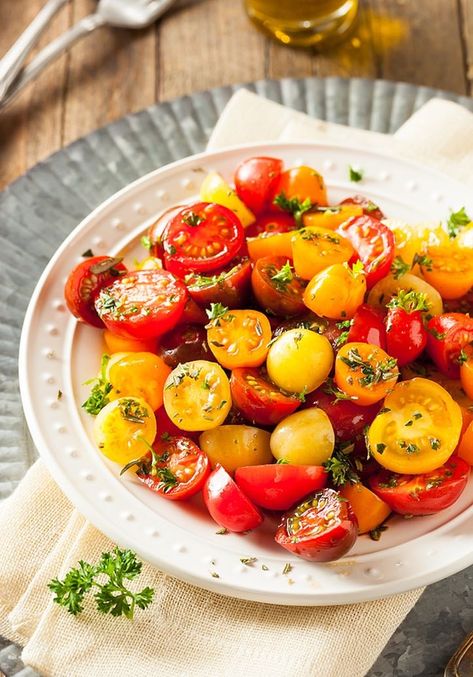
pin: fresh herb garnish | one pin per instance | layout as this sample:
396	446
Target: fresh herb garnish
456	221
217	310
399	267
146	242
193	219
371	373
462	357
287	568
283	277
248	561
375	534
423	261
343	338
293	205
282	461
88	254
101	389
356	175
132	411
410	301
340	468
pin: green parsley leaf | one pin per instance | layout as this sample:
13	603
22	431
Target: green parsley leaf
375	534
399	267
146	242
88	254
356	175
340	468
283	277
193	219
293	205
217	310
423	261
410	301
456	221
101	389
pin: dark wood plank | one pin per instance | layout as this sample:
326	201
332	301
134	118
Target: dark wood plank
466	26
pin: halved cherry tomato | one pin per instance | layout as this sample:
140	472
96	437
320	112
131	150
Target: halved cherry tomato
185	343
215	189
466	370
192	313
258	399
197	395
465	448
422	494
239	338
369	208
280	485
270	224
201	237
364	372
373	243
406	335
336	292
448	334
230	287
176	469
314	249
227	504
386	288
156	230
449	271
139	375
330	217
118	344
84	284
321	529
301	183
276	287
417	429
370	510
367	326
270	244
235	445
347	417
142	304
255	179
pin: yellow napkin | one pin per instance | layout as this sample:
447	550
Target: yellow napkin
188	631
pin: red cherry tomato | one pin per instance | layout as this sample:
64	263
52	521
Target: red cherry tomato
347	418
279	486
373	243
271	223
367	326
255	179
321	529
369	208
142	304
276	286
422	494
185	343
84	284
176	470
227	504
230	287
193	314
405	334
200	238
447	335
258	399
156	230
166	428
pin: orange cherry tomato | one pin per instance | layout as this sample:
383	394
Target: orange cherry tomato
120	344
370	510
466	370
331	217
270	244
449	270
314	249
302	183
139	375
465	448
239	338
364	372
336	292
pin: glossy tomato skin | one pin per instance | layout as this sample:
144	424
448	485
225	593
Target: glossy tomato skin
279	486
373	243
422	494
230	287
156	230
255	179
336	522
369	208
406	335
347	418
200	238
447	335
84	284
184	343
166	428
367	326
227	504
142	304
193	314
259	400
271	223
282	299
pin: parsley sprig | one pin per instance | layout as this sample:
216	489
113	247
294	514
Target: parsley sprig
356	175
283	277
340	468
111	596
101	389
410	301
373	372
456	221
216	312
293	205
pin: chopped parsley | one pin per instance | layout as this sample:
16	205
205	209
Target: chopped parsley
456	221
462	357
356	175
423	261
399	267
132	411
217	310
283	277
192	219
372	373
293	205
88	254
410	301
375	534
146	242
340	468
287	568
343	338
248	561
101	389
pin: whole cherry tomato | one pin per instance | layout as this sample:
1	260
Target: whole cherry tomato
367	326
183	344
300	184
258	399
406	335
255	180
448	334
85	282
321	529
276	287
230	287
227	504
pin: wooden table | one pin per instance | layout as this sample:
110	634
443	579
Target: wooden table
208	43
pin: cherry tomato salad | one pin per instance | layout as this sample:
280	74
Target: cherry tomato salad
287	357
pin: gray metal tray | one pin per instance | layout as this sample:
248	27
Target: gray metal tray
41	208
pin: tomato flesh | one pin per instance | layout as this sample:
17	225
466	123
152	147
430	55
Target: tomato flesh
422	494
255	179
279	295
279	486
230	287
258	400
227	504
321	529
269	224
369	208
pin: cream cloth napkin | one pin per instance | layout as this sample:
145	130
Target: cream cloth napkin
188	631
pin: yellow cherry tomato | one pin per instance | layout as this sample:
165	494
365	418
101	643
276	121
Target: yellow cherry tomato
239	338
365	372
389	286
411	238
124	428
330	217
234	446
215	189
299	360
336	292
449	270
314	249
197	395
119	344
304	438
369	509
139	375
417	429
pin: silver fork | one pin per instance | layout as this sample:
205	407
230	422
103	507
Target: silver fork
119	13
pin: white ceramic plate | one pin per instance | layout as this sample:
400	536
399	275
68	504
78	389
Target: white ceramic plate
56	353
